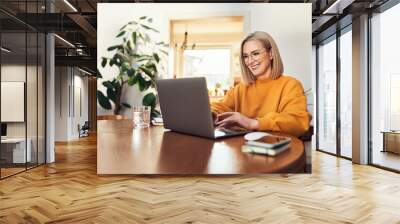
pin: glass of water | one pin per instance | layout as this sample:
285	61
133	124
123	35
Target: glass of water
141	116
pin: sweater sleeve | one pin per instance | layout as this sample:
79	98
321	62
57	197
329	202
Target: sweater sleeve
227	104
292	117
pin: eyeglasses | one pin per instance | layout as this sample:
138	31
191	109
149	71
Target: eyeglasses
255	55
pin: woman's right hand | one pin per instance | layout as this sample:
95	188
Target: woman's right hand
230	119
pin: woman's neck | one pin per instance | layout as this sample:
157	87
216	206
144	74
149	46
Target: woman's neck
266	75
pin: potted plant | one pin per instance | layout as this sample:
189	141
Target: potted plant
138	60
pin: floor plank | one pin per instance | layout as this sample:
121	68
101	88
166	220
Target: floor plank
69	191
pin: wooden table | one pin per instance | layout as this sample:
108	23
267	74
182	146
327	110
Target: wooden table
121	149
391	141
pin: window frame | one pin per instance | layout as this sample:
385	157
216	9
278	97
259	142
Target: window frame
334	37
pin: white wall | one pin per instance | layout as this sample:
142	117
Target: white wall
80	83
61	103
289	24
68	82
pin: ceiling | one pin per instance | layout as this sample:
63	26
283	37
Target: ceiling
76	21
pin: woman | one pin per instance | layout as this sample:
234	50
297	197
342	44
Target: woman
266	100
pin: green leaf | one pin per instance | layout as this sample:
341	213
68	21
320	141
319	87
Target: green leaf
132	80
116	85
99	76
121	33
146	27
143	17
143	84
108	84
134	35
125	66
149	28
103	100
126	105
166	53
149	100
150	20
142	59
113	47
112	62
145	70
156	57
133	22
152	67
103	62
123	27
136	55
112	95
142	37
130	72
119	58
162	43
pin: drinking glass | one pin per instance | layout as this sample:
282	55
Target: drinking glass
141	116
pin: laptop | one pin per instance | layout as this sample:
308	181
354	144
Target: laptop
185	108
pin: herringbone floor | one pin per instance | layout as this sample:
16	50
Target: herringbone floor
69	191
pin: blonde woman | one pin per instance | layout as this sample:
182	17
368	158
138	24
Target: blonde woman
267	100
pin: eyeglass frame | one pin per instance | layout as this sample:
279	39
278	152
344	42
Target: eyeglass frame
252	56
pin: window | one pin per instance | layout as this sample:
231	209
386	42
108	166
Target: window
394	101
22	66
346	94
385	87
214	64
327	96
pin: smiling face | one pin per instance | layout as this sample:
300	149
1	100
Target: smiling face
257	58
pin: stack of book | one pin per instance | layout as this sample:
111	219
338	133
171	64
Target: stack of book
268	145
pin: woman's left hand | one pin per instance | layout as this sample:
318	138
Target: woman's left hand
229	119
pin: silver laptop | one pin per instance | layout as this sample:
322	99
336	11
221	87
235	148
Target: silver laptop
185	108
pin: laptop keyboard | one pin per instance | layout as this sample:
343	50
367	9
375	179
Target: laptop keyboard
227	131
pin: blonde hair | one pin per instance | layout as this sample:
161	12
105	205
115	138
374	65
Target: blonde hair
269	44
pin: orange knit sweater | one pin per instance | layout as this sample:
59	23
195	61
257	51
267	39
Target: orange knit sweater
278	105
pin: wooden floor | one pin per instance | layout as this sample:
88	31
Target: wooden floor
69	191
5	172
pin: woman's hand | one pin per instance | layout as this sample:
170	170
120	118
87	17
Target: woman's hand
214	117
229	119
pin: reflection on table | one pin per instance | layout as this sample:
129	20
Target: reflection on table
155	150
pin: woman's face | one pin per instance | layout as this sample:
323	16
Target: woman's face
256	57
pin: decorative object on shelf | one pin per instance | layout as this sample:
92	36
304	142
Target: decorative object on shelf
138	59
185	43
